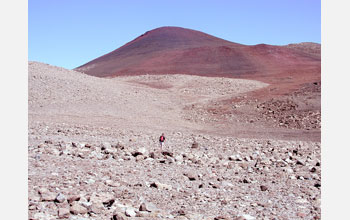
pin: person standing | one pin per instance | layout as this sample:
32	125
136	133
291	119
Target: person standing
161	141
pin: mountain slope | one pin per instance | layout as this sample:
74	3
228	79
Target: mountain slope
175	50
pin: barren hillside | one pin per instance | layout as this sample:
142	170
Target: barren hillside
175	50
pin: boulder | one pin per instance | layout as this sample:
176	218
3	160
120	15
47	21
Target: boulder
77	208
170	160
140	151
46	195
167	153
195	145
96	208
263	188
191	176
72	198
118	216
161	186
60	198
147	206
235	157
63	212
140	157
178	158
130	212
112	183
221	218
247	217
106	146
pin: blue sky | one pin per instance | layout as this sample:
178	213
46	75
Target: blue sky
70	33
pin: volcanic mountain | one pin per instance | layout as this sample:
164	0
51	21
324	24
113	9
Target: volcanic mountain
175	50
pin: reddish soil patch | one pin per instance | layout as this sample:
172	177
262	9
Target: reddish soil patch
155	85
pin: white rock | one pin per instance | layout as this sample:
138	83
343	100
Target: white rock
178	158
289	170
301	201
61	198
248	217
89	181
130	212
147	206
292	177
142	150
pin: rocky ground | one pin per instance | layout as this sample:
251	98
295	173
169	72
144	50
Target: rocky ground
94	154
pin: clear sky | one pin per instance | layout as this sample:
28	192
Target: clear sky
69	33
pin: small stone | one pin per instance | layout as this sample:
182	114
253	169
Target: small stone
140	151
167	153
248	217
88	145
160	186
105	145
89	181
289	170
244	166
292	177
263	188
191	176
96	208
108	203
301	201
31	206
181	212
51	208
76	209
147	206
152	155
245	181
130	212
301	215
105	198
119	216
221	218
170	160
46	195
235	157
299	162
60	198
112	183
73	198
194	145
63	213
86	204
214	185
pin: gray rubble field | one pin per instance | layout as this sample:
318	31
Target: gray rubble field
94	154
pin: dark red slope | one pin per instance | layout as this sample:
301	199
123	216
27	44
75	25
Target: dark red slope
174	50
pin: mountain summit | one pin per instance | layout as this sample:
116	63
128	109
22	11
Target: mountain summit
176	50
